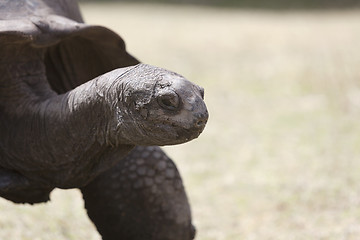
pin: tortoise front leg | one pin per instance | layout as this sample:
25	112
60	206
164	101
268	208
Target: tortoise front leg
18	189
142	197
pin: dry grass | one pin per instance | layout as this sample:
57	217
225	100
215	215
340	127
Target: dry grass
280	156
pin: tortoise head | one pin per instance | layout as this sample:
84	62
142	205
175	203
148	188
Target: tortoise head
160	107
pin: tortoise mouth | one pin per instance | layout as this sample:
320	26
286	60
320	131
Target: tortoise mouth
166	133
192	133
182	134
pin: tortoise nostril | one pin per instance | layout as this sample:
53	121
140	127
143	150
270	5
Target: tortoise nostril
202	92
200	123
169	101
201	119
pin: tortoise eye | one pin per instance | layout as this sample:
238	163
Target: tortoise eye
169	101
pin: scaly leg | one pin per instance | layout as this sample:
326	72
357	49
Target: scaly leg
141	198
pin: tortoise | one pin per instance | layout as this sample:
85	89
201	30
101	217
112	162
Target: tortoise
78	111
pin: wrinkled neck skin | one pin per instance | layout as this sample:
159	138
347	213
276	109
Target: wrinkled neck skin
61	139
53	138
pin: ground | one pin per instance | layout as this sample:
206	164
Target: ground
280	157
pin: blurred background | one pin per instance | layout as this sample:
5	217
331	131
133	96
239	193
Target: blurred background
280	156
274	4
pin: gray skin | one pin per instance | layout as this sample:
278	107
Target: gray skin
75	108
144	198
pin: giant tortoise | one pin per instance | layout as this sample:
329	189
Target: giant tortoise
78	111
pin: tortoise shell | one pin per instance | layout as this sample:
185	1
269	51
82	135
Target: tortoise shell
75	52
